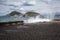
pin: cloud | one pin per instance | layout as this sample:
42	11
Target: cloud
14	3
11	2
5	9
32	2
55	5
45	1
26	4
41	6
29	3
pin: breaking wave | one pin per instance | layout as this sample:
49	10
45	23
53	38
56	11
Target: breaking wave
34	20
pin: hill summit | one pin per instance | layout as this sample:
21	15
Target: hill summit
14	13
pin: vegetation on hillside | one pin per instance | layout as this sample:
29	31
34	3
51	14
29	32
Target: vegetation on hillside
13	13
31	14
28	14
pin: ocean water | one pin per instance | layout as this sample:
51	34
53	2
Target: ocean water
26	20
10	19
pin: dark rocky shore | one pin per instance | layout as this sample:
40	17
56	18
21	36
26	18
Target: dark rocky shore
38	31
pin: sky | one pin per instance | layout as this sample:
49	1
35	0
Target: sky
45	7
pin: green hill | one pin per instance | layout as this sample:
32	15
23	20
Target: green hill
14	13
31	14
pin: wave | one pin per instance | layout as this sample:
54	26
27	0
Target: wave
34	20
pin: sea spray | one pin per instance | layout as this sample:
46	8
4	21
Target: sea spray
36	19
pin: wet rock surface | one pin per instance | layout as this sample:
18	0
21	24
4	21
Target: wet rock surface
38	31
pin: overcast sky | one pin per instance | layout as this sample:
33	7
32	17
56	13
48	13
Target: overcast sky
40	6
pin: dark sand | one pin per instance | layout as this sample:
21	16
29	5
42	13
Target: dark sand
38	31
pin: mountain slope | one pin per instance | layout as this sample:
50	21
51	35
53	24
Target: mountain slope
14	13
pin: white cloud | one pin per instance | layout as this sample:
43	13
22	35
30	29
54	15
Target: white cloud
32	2
41	6
48	0
14	3
55	5
29	3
